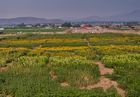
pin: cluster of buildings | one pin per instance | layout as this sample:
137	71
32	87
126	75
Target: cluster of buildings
79	27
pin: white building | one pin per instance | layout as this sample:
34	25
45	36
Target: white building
1	29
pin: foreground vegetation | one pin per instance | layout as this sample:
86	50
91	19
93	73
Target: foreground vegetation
58	65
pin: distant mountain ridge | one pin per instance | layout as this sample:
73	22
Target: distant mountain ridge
28	20
131	16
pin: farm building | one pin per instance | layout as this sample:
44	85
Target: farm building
1	30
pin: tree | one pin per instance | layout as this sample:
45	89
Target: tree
132	24
22	25
76	25
67	24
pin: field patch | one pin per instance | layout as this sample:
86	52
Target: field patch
70	65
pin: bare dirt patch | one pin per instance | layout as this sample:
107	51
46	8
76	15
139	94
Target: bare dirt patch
64	84
53	75
103	70
9	96
1	95
105	83
3	69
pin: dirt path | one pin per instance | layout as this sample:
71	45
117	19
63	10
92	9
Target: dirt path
7	35
104	82
2	95
64	84
86	40
105	30
52	75
103	70
3	69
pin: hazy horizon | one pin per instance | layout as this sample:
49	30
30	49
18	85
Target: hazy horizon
65	8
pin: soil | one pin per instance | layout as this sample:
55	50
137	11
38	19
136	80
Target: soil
1	95
103	70
64	84
3	69
53	75
105	83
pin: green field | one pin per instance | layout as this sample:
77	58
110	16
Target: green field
66	65
30	30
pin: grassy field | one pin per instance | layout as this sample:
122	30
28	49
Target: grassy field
59	65
30	30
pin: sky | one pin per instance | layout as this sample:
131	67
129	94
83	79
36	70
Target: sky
65	8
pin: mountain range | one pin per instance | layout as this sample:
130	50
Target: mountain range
125	17
131	16
29	20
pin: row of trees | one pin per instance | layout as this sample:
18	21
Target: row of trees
66	24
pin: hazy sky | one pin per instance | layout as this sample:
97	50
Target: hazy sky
65	8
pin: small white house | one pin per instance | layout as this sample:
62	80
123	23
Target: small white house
28	26
59	27
48	27
1	29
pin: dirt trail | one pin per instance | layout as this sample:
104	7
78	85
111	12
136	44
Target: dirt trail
103	70
1	95
3	69
64	84
52	75
104	82
7	35
86	40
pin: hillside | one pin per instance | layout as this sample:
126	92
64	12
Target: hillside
28	20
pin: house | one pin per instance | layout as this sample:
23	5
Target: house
59	27
48	27
1	30
29	26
